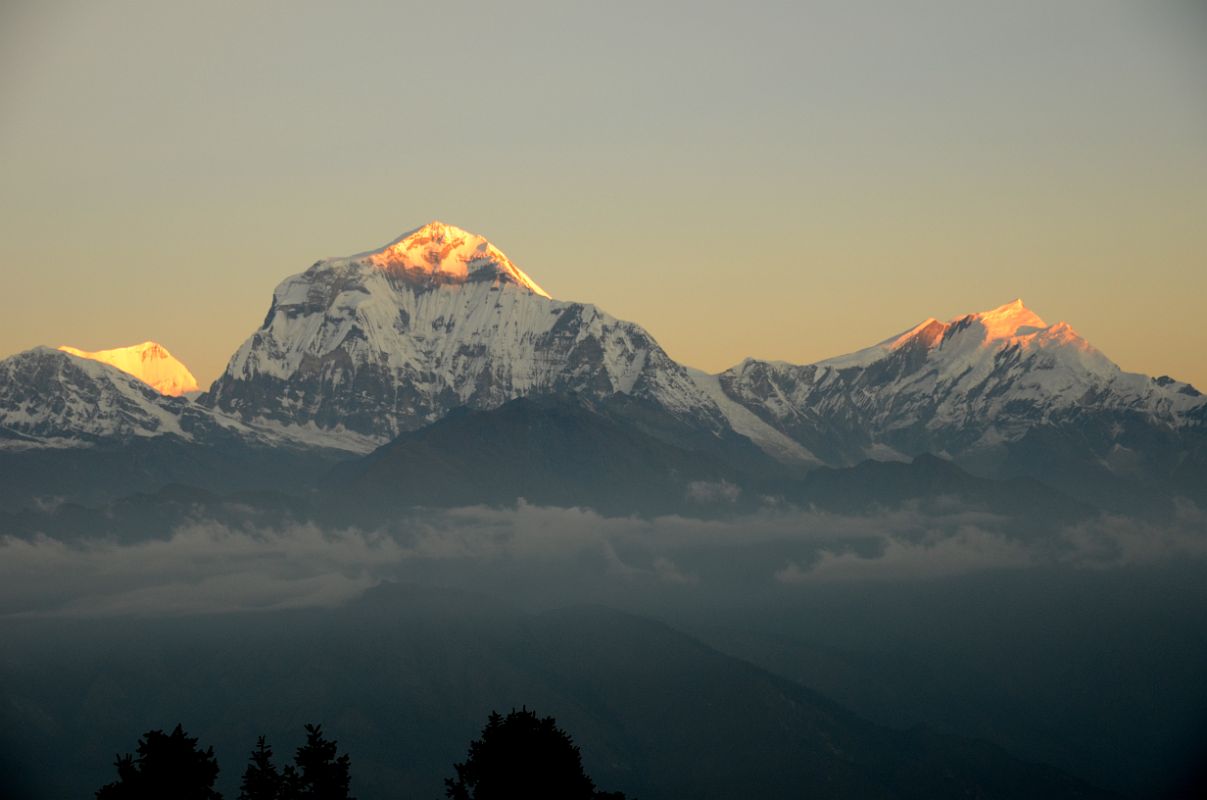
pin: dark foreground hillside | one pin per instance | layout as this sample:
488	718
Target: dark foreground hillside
404	677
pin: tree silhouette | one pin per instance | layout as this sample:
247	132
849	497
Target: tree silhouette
167	765
321	775
522	755
261	780
317	773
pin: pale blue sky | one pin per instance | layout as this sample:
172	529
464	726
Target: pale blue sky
781	180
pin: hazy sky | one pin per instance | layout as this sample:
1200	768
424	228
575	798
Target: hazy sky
781	180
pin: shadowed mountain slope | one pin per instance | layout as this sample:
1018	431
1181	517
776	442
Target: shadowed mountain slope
404	677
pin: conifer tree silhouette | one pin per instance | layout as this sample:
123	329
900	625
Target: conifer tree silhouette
261	780
316	774
167	765
321	774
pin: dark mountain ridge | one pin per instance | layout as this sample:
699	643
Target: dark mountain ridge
404	676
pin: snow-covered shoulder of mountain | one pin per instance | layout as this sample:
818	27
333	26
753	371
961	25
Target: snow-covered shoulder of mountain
150	362
393	339
51	398
773	442
274	433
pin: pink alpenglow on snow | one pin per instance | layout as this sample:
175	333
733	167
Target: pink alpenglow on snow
1008	321
1010	325
151	363
438	253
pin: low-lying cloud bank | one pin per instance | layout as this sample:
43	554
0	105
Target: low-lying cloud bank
206	566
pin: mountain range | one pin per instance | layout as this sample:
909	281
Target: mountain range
360	352
386	387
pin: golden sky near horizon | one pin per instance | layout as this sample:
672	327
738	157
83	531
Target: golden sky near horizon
789	181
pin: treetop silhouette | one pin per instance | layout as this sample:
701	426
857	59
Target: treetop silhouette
167	765
523	755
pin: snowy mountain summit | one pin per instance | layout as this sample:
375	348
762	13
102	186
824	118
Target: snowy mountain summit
150	362
1008	321
968	348
438	254
1010	325
367	346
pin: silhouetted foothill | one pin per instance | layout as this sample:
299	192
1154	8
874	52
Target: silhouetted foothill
522	755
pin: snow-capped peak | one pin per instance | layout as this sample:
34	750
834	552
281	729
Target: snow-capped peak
150	362
390	340
438	253
1008	321
1008	325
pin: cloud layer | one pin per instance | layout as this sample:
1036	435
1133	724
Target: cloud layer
206	566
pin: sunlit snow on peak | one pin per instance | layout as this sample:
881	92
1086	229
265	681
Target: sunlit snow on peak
438	253
1007	321
986	332
929	331
150	362
1007	325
